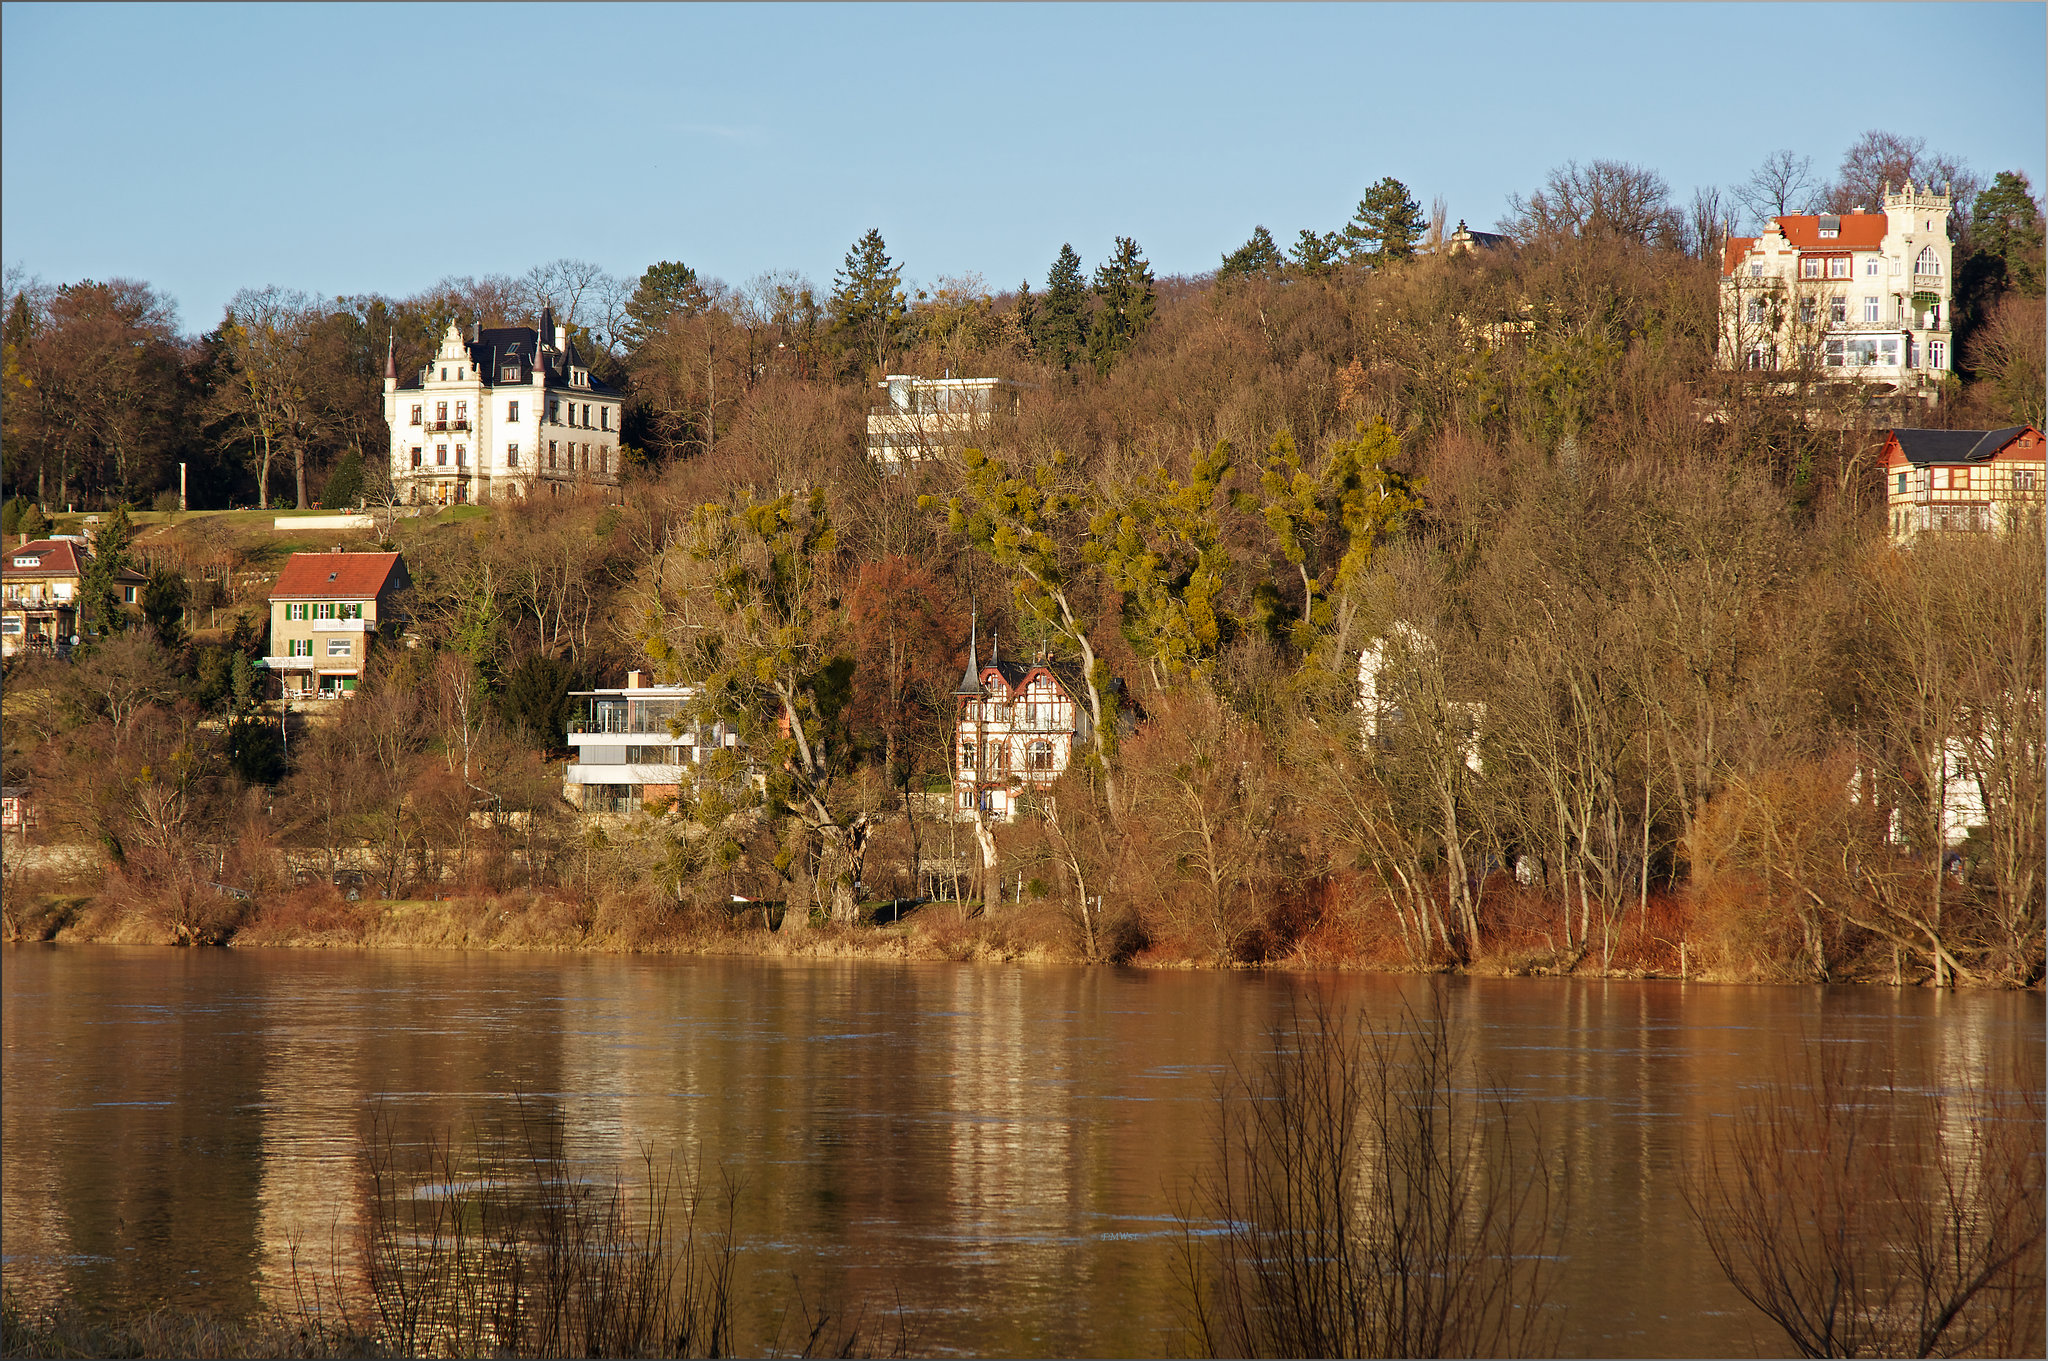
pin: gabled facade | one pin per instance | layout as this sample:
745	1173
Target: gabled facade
1857	296
39	600
509	411
628	751
925	417
324	612
1964	481
1018	726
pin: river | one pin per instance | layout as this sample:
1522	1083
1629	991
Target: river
991	1155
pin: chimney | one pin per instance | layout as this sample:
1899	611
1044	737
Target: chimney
634	681
562	338
335	549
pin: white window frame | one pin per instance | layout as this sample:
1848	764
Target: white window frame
341	647
1871	312
1841	267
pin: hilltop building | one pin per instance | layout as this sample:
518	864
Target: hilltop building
512	410
324	613
924	417
1964	481
1854	296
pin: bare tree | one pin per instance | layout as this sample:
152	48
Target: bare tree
1877	159
1784	183
1602	199
1363	1202
1866	1220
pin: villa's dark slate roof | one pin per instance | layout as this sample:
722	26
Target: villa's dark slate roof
1922	447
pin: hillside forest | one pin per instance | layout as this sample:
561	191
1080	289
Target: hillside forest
1653	691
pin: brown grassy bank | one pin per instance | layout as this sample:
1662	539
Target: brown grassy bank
1697	937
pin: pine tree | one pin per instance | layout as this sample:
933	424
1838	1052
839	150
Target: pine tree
1061	330
663	291
1386	226
1315	254
868	309
2005	223
1124	287
1256	257
98	586
344	482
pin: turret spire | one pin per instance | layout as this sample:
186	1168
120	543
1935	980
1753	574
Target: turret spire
970	680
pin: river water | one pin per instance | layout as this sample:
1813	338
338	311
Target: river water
991	1156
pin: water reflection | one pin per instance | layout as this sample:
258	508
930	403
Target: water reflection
999	1150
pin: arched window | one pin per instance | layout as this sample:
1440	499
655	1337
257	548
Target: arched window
1928	263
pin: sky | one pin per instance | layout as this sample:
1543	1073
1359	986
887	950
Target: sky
376	149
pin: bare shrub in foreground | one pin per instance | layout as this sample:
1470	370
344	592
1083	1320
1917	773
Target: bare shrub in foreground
1869	1221
512	1251
1364	1203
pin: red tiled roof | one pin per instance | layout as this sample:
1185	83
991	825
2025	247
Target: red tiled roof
336	576
1860	231
55	555
1738	247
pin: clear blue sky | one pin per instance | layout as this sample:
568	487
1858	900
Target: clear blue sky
345	149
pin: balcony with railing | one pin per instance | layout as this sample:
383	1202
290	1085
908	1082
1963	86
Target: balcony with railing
455	426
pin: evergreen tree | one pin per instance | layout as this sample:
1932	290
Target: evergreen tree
1124	286
99	592
1061	330
163	604
1386	226
32	522
1256	257
2005	225
1027	309
868	309
344	482
664	290
1316	254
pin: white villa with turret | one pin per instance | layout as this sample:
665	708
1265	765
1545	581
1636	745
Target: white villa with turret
1862	296
511	409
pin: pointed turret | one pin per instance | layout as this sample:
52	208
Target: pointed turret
391	363
970	680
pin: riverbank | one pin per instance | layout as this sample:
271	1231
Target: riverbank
1677	941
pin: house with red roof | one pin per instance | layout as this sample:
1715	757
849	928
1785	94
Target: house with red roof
324	612
1858	296
41	595
1964	481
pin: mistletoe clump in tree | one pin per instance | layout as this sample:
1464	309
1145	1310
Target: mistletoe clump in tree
738	605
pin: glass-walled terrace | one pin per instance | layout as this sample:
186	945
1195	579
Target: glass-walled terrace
619	714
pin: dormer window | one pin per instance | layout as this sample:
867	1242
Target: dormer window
509	374
579	378
1830	227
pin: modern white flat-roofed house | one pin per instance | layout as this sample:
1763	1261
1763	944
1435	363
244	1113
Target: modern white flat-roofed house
627	747
1964	481
512	409
324	612
1860	296
1019	724
925	417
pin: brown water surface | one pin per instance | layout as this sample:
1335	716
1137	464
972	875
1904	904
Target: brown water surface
997	1152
